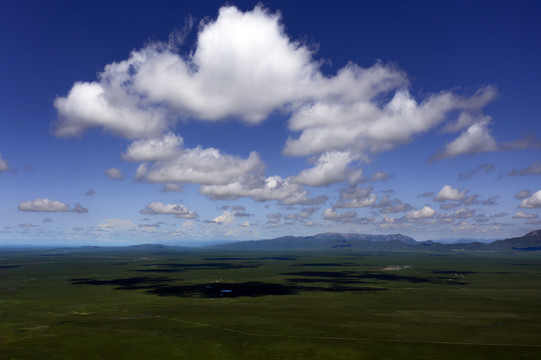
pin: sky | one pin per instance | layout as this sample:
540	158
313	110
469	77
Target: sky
176	122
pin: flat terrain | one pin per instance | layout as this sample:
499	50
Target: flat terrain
171	304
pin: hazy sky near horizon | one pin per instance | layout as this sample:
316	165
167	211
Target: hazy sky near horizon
182	122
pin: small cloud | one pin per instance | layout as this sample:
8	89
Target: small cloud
90	192
523	215
114	173
356	198
533	169
225	219
331	167
470	200
245	224
43	205
242	214
425	213
170	187
380	176
47	220
463	213
79	209
187	224
274	218
449	193
388	205
533	201
238	208
523	194
3	164
468	174
475	139
426	194
116	224
27	225
490	201
349	216
168	147
159	208
449	206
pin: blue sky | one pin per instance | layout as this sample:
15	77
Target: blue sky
188	123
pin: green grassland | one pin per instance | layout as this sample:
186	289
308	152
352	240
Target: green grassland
195	304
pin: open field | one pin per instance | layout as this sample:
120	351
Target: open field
165	304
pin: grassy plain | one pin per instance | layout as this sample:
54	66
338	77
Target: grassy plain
166	304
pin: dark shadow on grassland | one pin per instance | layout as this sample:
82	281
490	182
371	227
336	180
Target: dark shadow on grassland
326	264
205	266
335	276
158	270
131	283
327	274
247	289
228	258
9	266
453	272
280	258
158	286
324	280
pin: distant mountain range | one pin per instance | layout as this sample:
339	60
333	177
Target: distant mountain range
340	241
320	242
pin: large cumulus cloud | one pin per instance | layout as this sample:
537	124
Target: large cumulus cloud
244	66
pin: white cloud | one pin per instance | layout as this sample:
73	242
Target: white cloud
187	224
114	173
523	194
388	205
245	224
533	201
331	167
349	216
221	78
166	147
463	213
356	198
3	164
450	193
463	121
156	207
475	139
107	104
363	126
225	219
259	189
425	213
116	224
171	188
245	66
523	215
201	166
44	205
